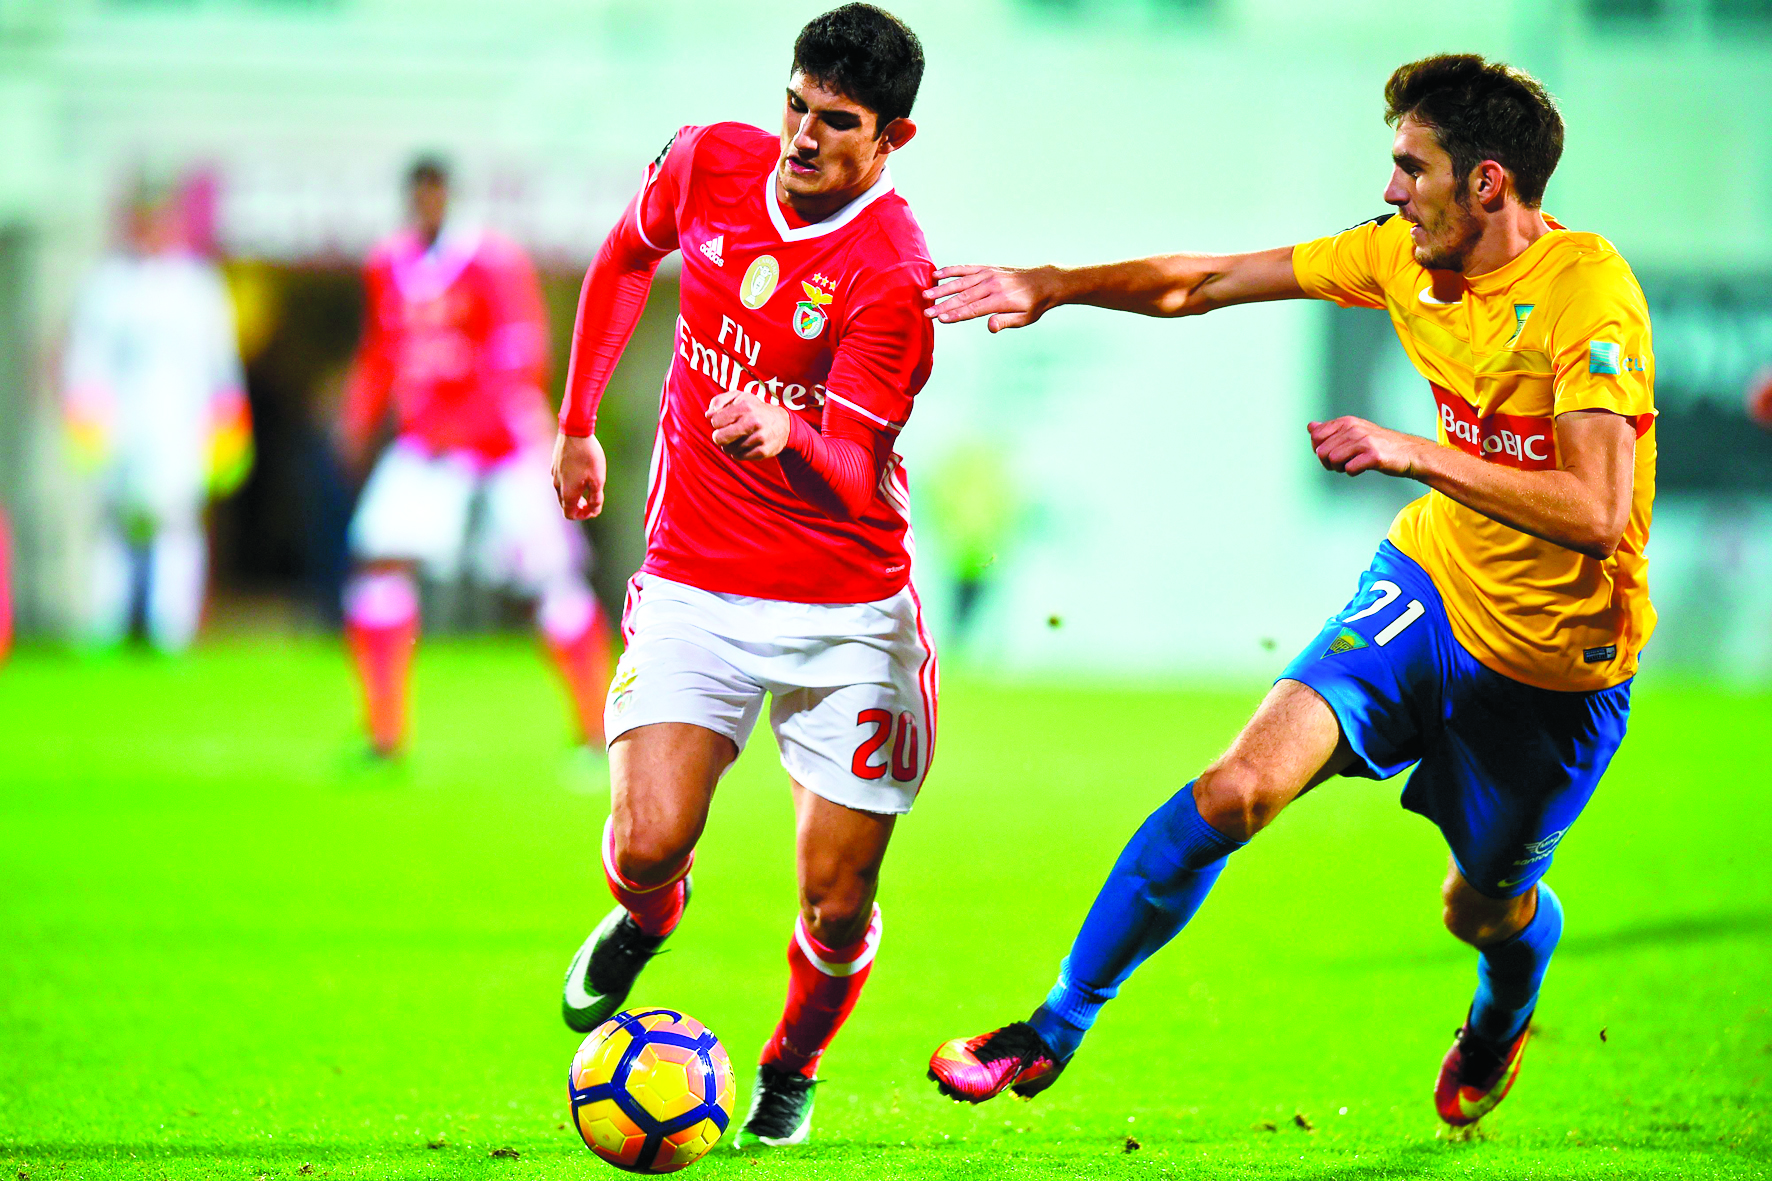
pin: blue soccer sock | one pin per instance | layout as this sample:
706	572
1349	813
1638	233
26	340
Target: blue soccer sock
1509	974
1155	887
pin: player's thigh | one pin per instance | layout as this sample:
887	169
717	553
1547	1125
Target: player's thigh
679	667
1291	744
662	779
838	852
1511	771
524	541
414	508
863	737
1378	667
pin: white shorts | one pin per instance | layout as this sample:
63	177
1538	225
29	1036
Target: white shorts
419	507
852	685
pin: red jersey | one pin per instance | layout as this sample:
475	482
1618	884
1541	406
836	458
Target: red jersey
456	337
826	320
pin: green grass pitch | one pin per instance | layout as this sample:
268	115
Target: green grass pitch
225	954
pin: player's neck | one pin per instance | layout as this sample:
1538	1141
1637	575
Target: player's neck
1507	236
815	207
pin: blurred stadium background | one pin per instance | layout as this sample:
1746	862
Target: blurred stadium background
1172	457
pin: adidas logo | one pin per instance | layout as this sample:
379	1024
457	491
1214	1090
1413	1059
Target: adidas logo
712	248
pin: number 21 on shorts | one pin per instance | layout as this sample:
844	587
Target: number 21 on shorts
906	746
1388	593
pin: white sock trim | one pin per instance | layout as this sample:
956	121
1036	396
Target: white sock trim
870	945
381	600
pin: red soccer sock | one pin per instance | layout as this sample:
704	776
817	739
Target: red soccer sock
823	985
577	636
657	909
381	624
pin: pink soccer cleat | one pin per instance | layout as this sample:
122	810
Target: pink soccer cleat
974	1069
1474	1078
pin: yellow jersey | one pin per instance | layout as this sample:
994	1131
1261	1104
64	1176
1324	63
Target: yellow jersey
1562	327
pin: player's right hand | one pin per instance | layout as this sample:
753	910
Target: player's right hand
579	472
1011	297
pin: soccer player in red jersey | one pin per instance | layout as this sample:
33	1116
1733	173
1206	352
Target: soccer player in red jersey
455	343
778	538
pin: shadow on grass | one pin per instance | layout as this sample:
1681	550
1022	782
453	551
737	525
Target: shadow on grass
1670	932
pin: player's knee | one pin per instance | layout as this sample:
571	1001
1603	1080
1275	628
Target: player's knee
1478	920
648	857
1236	798
836	912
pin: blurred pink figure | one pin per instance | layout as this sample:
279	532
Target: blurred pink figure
455	345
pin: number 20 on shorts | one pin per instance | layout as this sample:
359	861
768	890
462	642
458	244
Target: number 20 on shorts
1388	593
906	746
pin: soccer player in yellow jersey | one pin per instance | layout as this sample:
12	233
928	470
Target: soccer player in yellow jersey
1493	640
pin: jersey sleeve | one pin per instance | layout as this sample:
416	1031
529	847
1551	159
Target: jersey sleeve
517	345
887	347
663	190
1347	267
89	391
1600	345
371	382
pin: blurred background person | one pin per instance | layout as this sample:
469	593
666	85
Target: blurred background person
974	501
1759	398
157	412
455	346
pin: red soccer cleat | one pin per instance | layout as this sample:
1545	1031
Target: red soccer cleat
1474	1078
974	1069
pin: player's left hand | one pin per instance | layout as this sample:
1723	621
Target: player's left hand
747	427
1353	445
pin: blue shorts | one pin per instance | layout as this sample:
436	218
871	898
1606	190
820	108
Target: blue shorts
1502	767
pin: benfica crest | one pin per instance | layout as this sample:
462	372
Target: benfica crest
809	317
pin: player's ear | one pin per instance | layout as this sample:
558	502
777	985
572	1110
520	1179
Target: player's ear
1489	183
898	133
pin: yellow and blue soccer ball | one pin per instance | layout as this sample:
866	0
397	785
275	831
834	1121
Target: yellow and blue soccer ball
652	1090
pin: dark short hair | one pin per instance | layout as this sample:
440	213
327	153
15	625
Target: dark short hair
1482	110
866	54
428	169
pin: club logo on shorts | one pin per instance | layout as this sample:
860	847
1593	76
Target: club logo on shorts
1347	641
621	690
759	281
809	317
1540	849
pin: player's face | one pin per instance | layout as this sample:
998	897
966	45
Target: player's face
430	204
829	145
1426	192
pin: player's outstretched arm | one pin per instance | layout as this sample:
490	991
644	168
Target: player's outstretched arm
1583	505
1164	285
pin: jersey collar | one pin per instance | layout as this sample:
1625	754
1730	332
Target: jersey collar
1502	277
835	221
425	273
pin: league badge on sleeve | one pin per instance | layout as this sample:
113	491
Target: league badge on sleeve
809	317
